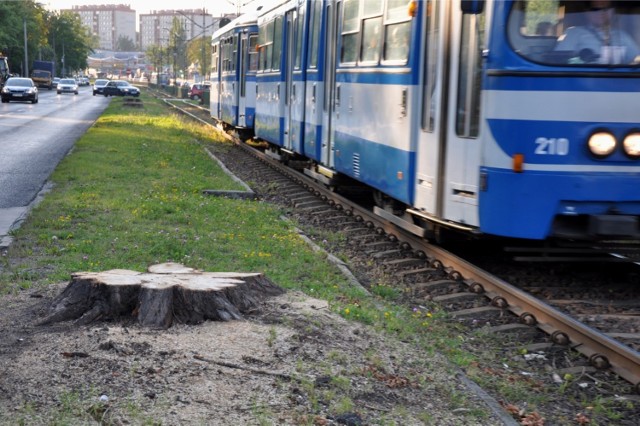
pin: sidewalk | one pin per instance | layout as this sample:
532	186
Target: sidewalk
10	218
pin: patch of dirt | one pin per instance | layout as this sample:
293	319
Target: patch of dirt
292	363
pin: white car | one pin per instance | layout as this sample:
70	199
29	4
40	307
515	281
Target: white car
67	85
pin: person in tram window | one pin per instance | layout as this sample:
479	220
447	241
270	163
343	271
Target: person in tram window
397	46
600	40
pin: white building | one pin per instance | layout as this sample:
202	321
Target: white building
155	26
109	23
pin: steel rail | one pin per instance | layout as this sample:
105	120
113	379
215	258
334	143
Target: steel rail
601	350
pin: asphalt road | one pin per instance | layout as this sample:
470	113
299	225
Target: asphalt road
33	140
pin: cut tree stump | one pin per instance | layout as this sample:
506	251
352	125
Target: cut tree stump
168	292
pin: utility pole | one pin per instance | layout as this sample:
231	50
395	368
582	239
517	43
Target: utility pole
26	52
204	59
203	27
239	5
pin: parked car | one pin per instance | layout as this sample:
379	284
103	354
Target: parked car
19	89
120	88
55	82
197	90
67	85
98	86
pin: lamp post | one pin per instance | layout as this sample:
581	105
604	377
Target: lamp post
26	52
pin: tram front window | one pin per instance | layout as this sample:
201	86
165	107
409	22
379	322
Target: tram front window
578	33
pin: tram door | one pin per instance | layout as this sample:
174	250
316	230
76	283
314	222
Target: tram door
243	64
331	95
448	150
215	95
291	19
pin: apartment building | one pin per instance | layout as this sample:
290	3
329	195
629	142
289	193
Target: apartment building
155	26
109	23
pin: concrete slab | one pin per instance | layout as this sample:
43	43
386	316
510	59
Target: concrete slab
10	218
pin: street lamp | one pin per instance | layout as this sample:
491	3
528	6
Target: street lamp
26	52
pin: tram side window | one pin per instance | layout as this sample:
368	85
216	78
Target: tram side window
221	53
234	52
262	42
371	39
266	46
396	10
299	33
214	58
253	54
229	54
225	55
396	45
315	34
468	102
431	77
397	31
350	30
277	44
372	7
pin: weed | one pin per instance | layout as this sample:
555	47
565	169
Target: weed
272	337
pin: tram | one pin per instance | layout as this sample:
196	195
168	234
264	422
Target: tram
508	118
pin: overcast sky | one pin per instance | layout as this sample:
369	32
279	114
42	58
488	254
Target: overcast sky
213	7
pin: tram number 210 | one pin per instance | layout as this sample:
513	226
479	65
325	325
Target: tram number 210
552	146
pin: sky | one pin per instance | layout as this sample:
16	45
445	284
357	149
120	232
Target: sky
213	7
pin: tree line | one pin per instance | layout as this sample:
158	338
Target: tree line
60	37
50	36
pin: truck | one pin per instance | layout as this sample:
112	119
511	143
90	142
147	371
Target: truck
43	73
4	70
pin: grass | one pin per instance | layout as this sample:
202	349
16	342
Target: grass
130	196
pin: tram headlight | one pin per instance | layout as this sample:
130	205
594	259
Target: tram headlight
602	144
631	145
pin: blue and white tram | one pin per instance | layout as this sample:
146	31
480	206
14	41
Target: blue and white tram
281	76
560	121
509	117
233	72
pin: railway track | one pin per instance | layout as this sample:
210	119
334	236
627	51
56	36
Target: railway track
410	256
606	333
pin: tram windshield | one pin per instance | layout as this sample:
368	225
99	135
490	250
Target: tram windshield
577	33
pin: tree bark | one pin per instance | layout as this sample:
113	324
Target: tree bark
168	292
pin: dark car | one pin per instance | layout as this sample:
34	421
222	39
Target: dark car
98	86
19	89
197	90
120	88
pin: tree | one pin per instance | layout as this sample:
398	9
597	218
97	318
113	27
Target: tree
177	46
14	18
50	36
199	52
155	55
70	40
125	44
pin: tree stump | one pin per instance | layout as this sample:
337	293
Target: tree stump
168	292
